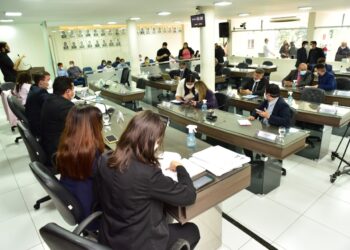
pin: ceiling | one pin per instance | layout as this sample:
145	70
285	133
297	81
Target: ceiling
87	12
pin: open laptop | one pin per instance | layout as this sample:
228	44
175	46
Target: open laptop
166	76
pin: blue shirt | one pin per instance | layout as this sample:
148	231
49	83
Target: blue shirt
62	72
327	81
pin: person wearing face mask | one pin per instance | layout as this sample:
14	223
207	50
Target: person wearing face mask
203	93
342	52
182	73
132	191
302	54
74	72
60	70
302	76
8	68
255	85
102	65
54	113
326	80
185	89
329	67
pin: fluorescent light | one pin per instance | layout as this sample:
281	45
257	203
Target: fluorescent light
13	13
178	22
243	14
96	25
158	24
164	13
53	31
6	21
222	3
134	18
111	22
305	8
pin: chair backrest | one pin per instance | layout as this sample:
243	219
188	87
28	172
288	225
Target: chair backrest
7	86
226	71
293	113
197	68
221	98
35	151
17	108
58	238
88	70
343	83
125	76
312	95
267	63
65	202
248	61
242	65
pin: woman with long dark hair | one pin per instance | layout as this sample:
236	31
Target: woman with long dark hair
23	84
133	190
80	146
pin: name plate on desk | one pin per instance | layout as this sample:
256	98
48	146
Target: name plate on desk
266	136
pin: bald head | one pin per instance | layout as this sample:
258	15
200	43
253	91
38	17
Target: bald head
302	67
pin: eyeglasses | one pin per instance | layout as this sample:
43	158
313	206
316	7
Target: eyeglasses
165	120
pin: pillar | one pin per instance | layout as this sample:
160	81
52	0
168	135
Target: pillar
207	51
311	26
133	47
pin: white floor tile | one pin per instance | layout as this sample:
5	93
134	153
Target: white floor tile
339	193
7	180
38	247
331	212
343	181
24	176
12	205
232	237
253	245
18	233
32	193
306	234
235	200
265	217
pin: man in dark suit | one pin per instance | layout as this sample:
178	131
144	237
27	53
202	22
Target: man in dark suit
35	100
54	112
314	54
255	85
302	76
302	54
182	73
219	53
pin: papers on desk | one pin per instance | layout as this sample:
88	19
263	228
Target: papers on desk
102	107
89	98
328	109
249	96
176	101
342	93
266	136
244	122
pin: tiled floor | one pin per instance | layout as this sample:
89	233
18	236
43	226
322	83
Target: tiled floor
305	212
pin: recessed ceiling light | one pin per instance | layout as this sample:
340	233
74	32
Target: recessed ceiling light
7	13
243	14
305	8
6	21
112	23
222	3
134	18
164	13
96	25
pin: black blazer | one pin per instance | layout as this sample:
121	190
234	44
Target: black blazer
52	121
293	75
281	114
177	72
260	90
314	55
301	56
133	204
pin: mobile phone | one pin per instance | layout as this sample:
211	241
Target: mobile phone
258	110
202	181
111	139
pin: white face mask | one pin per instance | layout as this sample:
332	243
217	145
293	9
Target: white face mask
71	65
189	86
182	70
156	146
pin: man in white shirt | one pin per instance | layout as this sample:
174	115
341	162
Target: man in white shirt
267	51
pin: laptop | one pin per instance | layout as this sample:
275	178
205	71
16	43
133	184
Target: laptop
166	77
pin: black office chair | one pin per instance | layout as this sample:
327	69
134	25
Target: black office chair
221	99
141	83
343	83
125	76
197	68
18	110
248	61
88	70
7	86
267	63
242	65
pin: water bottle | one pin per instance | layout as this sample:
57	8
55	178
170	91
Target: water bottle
290	98
204	107
191	139
294	84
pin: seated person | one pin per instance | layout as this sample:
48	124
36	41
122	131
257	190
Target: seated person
203	93
329	67
326	80
122	64
181	73
35	100
23	84
109	67
218	68
255	85
185	89
102	65
54	113
133	191
80	146
301	75
146	62
116	62
60	70
73	71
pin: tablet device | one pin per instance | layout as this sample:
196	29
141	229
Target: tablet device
111	139
202	181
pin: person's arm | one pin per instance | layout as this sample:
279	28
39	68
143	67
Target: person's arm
180	92
18	62
180	54
287	81
191	51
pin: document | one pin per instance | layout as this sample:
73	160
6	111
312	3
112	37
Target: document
176	101
249	96
328	109
244	122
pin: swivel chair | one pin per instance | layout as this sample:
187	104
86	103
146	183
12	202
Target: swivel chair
343	83
18	110
221	99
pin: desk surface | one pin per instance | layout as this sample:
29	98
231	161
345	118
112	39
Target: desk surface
175	141
227	129
268	69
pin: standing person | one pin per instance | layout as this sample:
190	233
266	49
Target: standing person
302	54
292	50
203	93
54	113
314	54
342	52
219	53
23	84
60	70
284	50
80	146
132	191
267	51
186	53
163	56
8	68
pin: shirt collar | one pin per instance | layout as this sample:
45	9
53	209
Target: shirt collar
273	102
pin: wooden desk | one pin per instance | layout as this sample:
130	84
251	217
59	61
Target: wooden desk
227	129
175	141
342	74
158	84
267	69
235	72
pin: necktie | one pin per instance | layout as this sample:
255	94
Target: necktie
181	73
298	78
254	86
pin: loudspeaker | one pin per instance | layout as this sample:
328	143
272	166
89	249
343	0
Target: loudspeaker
224	29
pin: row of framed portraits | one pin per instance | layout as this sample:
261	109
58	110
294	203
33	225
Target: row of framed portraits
89	44
116	32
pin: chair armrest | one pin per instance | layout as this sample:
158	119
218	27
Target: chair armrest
181	244
81	227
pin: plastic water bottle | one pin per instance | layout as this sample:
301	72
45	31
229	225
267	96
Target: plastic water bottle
294	84
290	98
191	139
204	107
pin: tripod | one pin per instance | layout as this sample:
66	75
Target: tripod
346	168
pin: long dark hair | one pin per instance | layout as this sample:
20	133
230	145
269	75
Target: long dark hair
23	78
138	140
80	141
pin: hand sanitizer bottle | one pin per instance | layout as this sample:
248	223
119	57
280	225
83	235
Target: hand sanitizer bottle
290	98
204	106
191	139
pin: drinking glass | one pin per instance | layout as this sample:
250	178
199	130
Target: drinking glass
282	133
105	118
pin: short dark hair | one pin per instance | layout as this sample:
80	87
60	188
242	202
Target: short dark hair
61	84
59	64
313	42
304	43
2	45
183	63
165	44
39	77
321	60
273	90
320	66
23	78
259	71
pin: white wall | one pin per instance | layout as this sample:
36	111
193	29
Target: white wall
27	39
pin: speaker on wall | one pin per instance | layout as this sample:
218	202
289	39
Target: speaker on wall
224	29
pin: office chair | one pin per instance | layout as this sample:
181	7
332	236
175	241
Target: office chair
293	113
7	86
18	110
314	95
141	83
343	83
125	76
248	61
221	99
88	70
242	65
9	114
267	74
197	68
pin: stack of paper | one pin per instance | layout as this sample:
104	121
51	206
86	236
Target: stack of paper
329	109
244	122
249	96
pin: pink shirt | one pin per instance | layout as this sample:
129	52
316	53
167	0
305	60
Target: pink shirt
186	54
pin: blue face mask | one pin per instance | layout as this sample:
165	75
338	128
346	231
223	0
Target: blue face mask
303	72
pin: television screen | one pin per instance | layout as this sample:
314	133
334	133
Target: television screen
198	20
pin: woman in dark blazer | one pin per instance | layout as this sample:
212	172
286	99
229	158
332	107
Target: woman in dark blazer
132	191
203	93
